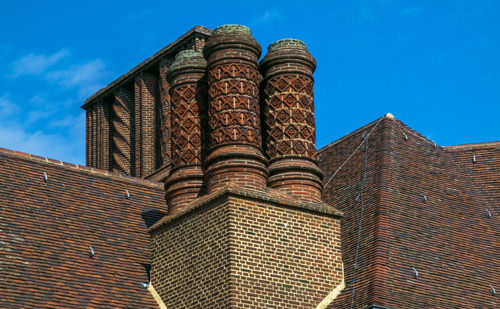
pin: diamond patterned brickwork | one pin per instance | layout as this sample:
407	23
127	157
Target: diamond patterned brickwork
234	113
188	98
122	131
289	119
165	110
240	248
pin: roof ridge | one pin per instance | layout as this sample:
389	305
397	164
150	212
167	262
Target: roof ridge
383	196
484	145
347	136
78	167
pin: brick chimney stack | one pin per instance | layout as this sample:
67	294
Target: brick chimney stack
249	241
289	119
188	92
234	117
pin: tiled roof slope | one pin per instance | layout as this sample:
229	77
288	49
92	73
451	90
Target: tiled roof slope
47	228
448	238
484	172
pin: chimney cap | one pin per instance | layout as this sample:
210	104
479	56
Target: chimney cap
232	29
287	43
188	53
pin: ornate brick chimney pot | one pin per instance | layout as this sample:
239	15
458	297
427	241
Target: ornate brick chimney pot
289	119
234	113
188	92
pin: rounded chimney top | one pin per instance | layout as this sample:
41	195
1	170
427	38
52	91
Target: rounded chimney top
232	29
288	44
186	54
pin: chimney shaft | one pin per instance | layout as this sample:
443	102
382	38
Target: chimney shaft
188	90
234	113
289	119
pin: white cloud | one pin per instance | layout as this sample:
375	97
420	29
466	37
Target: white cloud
49	130
268	17
78	74
7	108
85	77
410	11
56	146
36	64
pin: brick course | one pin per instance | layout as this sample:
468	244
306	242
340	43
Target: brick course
146	94
233	250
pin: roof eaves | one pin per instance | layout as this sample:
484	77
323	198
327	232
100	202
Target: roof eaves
79	168
486	145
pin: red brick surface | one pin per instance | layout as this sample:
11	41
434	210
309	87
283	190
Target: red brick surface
289	119
234	111
149	117
47	228
188	97
123	103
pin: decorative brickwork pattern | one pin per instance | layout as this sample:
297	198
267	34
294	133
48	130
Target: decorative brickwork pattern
122	131
237	251
234	117
146	94
106	135
188	97
157	65
88	137
165	110
93	121
289	119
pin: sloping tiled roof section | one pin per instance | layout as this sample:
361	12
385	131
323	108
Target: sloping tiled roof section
47	228
481	163
448	238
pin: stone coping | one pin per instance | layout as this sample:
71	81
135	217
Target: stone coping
270	195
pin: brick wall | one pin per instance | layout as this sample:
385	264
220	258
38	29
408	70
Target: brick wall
239	251
122	149
153	124
190	259
165	105
146	94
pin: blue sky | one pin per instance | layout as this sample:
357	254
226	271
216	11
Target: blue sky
433	64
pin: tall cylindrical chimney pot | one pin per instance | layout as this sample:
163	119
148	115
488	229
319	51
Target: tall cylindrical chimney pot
289	119
188	97
234	113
